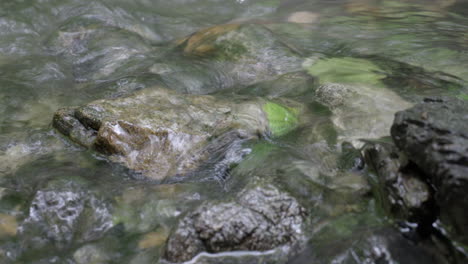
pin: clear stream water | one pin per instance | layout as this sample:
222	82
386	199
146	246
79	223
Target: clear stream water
57	53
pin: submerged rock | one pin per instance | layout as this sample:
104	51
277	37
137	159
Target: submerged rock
144	209
259	219
98	53
161	133
434	135
244	53
290	85
64	213
230	56
360	111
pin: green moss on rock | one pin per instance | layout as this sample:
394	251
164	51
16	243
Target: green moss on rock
282	119
347	70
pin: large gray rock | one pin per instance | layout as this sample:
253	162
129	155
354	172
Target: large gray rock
161	133
260	219
434	135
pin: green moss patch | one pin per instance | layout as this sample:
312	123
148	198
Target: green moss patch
347	70
282	119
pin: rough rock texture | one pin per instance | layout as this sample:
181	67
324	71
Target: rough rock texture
434	135
261	218
160	133
399	188
65	213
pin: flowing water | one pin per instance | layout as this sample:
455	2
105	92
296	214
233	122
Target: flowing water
61	203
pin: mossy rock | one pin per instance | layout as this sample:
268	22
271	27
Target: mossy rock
282	119
347	70
162	134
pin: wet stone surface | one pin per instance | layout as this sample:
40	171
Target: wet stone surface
400	188
434	135
65	213
161	133
360	111
260	219
377	245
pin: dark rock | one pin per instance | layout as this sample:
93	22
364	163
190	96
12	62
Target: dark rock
377	245
398	187
350	158
260	219
434	135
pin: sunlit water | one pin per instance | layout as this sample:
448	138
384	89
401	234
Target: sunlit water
56	53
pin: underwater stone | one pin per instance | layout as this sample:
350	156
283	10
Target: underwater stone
244	53
66	213
360	111
161	133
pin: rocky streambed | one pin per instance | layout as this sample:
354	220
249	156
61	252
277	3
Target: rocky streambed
262	135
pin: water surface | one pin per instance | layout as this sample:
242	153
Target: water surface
58	53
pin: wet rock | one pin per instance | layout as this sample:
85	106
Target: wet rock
241	257
376	245
259	219
161	133
17	149
350	158
224	57
64	213
360	111
434	135
329	170
319	176
353	89
243	53
144	209
102	46
399	188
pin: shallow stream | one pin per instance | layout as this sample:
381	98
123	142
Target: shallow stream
63	203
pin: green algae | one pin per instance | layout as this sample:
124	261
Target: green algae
347	70
282	119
